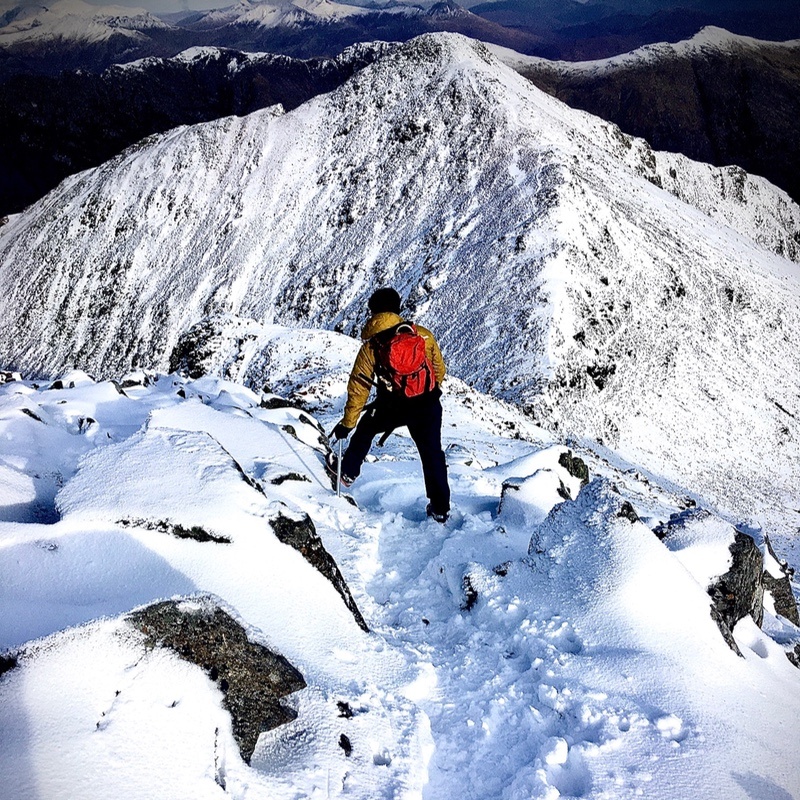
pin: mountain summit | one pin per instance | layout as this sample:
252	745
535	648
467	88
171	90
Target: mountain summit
634	298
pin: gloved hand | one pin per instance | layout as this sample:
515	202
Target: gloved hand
341	431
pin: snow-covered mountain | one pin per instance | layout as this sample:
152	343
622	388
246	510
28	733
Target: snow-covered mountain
75	35
270	15
76	20
60	125
618	294
542	643
716	97
72	34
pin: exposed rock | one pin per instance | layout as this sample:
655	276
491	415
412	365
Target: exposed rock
575	466
290	476
7	663
470	594
740	591
794	655
31	414
195	532
737	593
84	423
303	537
251	677
273	401
781	588
213	346
627	511
665	528
346	744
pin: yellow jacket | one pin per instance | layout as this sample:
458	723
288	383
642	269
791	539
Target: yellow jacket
362	375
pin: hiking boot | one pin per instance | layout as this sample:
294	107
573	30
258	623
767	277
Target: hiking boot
438	516
332	465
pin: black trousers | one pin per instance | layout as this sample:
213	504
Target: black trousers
423	418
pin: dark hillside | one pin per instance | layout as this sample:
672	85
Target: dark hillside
733	105
56	126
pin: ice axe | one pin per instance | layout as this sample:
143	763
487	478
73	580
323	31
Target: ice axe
339	471
338	467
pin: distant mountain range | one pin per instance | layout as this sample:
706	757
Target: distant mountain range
71	34
55	126
627	296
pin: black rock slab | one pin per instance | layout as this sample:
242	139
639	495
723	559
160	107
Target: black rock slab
7	662
781	588
251	677
740	591
303	537
575	466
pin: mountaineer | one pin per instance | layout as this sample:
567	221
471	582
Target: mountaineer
405	364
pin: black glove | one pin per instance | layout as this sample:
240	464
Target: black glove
341	431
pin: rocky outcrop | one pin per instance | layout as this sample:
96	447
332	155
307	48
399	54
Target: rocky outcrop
781	588
740	591
195	532
575	466
303	537
252	678
7	663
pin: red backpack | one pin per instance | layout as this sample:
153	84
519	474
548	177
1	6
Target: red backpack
402	363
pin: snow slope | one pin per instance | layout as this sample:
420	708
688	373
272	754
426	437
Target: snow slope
620	295
587	668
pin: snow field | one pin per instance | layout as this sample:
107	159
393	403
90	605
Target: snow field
542	647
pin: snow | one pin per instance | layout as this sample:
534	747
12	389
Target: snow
288	12
540	643
78	20
587	667
708	38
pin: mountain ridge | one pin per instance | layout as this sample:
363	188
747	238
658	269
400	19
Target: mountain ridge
717	97
57	126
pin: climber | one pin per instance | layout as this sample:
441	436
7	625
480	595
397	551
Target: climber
405	364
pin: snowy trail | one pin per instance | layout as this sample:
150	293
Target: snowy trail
418	587
520	702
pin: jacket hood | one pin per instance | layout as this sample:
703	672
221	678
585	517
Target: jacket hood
380	322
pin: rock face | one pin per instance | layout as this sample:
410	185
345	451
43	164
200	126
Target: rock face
7	663
781	587
252	678
740	591
575	466
303	537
